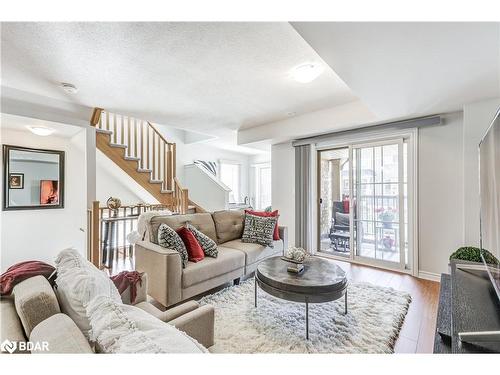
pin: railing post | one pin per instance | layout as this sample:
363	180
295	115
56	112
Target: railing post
185	201
95	255
96	116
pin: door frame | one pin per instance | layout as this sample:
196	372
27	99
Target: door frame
372	137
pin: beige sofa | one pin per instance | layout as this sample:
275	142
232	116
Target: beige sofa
170	284
32	313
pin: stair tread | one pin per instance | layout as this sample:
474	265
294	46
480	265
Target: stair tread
103	131
117	145
132	158
144	170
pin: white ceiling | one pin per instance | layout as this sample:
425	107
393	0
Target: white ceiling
198	76
405	69
21	123
214	78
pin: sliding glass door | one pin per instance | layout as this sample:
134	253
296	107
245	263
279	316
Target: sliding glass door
380	202
363	203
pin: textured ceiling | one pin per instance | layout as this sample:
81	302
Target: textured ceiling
406	69
198	76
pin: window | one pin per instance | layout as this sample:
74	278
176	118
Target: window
262	186
230	175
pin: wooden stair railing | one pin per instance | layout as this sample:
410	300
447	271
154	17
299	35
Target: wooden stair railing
142	143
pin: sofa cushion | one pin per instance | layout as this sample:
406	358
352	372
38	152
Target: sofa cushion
202	221
119	328
207	244
78	282
255	252
61	335
227	261
35	301
11	328
228	224
259	229
169	239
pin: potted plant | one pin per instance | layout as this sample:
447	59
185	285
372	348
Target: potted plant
386	217
473	254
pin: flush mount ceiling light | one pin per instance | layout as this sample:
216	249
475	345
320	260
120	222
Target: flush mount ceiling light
306	73
40	130
69	88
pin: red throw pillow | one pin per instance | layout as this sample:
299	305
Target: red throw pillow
276	235
345	203
194	249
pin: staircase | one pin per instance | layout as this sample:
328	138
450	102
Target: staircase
144	154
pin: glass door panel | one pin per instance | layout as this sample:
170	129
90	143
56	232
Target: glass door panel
333	206
378	218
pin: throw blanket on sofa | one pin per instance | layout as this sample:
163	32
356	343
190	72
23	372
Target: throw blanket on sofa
142	225
22	271
128	279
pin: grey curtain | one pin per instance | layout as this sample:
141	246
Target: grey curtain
304	198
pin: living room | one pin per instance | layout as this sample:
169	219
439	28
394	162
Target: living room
280	187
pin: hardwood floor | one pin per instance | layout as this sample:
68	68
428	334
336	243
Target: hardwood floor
417	333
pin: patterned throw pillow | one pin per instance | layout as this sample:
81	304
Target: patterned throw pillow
168	238
259	229
207	244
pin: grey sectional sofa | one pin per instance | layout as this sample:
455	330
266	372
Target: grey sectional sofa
170	284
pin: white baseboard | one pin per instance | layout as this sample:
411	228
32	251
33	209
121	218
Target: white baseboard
429	276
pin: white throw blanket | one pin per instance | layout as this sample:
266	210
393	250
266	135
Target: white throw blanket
142	225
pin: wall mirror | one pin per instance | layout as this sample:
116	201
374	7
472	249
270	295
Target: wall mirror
33	178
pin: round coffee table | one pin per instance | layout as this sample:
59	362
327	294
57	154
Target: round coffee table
320	281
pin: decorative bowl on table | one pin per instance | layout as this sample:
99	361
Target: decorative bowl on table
296	256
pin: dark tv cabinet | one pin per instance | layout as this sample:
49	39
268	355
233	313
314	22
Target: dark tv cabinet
467	302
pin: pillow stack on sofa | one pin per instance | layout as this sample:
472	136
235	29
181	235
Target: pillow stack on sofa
192	244
91	300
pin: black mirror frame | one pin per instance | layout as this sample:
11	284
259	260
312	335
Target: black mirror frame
6	162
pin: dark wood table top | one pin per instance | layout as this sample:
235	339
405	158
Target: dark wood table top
320	276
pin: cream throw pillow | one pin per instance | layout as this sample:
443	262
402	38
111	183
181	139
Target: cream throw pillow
79	282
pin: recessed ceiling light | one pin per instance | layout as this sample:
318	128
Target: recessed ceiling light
306	73
40	130
69	88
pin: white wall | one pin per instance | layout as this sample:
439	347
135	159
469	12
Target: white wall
205	189
41	234
448	194
440	196
112	181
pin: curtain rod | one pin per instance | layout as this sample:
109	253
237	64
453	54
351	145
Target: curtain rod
400	124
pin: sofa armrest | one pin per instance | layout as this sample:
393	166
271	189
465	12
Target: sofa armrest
283	231
164	269
142	292
169	314
199	324
59	334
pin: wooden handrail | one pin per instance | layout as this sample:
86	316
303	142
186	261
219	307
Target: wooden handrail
158	133
148	145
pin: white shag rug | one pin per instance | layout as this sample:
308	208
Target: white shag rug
374	319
